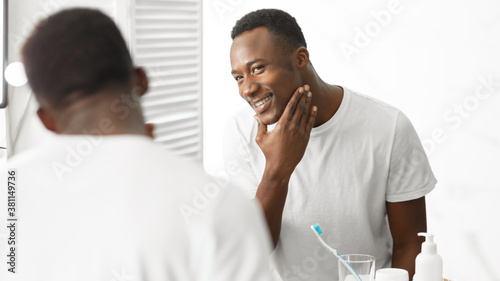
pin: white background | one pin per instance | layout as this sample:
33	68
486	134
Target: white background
427	60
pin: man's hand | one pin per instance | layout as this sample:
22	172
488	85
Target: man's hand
283	148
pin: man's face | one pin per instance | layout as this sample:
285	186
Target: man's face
264	72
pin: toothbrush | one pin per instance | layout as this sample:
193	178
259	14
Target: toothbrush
317	230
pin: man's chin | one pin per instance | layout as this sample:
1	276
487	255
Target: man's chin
271	123
269	120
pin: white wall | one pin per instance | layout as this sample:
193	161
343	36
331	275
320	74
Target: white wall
27	131
429	59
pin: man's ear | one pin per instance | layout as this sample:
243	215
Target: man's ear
301	57
150	127
47	119
141	85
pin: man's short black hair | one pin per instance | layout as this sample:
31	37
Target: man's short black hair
278	22
76	51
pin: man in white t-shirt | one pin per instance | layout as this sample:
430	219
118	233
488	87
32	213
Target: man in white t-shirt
100	200
320	153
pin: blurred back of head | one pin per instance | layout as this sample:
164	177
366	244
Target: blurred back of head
74	54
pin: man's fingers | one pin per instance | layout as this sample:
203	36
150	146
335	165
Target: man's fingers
312	118
305	115
301	105
261	129
292	104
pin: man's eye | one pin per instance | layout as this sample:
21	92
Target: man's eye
257	68
238	77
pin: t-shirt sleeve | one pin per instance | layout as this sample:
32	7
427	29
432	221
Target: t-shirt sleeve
235	243
237	160
410	175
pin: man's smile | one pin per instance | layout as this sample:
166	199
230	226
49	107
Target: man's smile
261	104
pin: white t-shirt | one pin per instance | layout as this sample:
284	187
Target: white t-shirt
121	208
366	154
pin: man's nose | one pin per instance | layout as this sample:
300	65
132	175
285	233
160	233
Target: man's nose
249	87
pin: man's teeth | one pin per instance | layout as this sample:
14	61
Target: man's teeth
262	101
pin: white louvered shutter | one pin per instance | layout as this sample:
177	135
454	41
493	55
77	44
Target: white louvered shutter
166	41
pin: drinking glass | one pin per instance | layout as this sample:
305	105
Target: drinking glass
364	265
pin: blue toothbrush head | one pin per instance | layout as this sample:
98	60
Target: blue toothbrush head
318	229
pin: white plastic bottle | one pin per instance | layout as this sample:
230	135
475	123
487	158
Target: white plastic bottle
428	265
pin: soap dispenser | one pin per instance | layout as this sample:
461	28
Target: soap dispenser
428	264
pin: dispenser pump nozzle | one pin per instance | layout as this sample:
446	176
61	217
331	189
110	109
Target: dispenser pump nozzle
428	247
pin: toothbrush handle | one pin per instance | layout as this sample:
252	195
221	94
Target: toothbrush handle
349	267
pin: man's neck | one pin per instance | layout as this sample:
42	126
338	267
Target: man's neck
327	98
102	115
